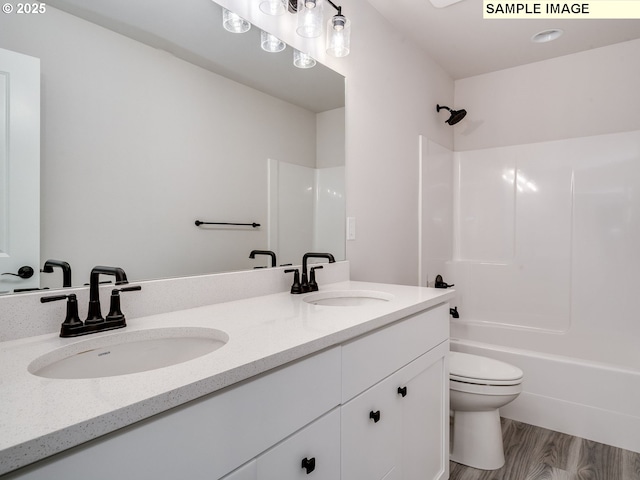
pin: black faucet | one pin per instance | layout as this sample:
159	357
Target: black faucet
74	327
95	315
305	279
66	270
264	252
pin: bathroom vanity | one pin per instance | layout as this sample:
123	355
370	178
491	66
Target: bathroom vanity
343	388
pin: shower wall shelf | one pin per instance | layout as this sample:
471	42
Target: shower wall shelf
254	225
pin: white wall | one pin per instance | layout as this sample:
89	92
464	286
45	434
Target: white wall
330	147
120	117
589	93
392	91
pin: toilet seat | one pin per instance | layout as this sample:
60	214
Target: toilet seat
477	370
483	389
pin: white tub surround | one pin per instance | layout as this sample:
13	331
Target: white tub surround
41	417
545	266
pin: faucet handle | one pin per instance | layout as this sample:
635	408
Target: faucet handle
313	285
72	320
115	314
296	287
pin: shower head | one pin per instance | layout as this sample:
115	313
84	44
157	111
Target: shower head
456	115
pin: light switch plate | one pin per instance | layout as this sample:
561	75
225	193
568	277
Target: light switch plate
351	228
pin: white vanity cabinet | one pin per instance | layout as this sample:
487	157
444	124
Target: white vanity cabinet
209	437
398	428
320	410
245	472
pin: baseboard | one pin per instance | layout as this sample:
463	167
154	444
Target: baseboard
599	425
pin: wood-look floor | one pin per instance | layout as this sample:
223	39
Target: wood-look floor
534	453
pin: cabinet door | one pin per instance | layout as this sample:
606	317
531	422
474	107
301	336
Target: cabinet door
425	416
245	472
313	453
371	429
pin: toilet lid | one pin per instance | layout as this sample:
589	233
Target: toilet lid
464	367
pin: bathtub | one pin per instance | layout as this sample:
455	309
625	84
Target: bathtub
587	399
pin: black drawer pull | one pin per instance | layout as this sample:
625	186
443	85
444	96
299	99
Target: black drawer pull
375	416
402	391
309	464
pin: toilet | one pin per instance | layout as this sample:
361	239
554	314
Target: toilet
478	387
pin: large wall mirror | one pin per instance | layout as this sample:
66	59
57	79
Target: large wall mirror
153	116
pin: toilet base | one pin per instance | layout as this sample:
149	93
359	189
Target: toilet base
477	439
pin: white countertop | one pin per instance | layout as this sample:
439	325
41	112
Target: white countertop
40	417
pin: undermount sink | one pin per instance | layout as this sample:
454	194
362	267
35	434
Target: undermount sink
348	298
128	352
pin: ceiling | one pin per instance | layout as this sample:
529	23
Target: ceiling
455	36
464	44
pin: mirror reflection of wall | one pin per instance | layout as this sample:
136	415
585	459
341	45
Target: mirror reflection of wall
137	144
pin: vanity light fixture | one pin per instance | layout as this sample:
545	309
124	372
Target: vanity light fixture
309	23
338	34
309	18
271	43
234	23
273	7
302	60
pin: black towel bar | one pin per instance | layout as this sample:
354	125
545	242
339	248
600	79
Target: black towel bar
254	225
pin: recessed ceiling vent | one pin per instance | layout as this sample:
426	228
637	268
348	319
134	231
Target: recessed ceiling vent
547	35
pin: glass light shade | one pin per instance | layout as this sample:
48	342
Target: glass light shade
271	43
232	22
309	24
273	7
339	36
302	60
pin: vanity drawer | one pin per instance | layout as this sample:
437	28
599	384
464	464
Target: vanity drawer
318	443
372	357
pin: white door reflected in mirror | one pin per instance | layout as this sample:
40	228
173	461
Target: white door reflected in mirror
19	171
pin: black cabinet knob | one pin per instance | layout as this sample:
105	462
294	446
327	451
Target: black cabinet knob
402	391
309	464
375	416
